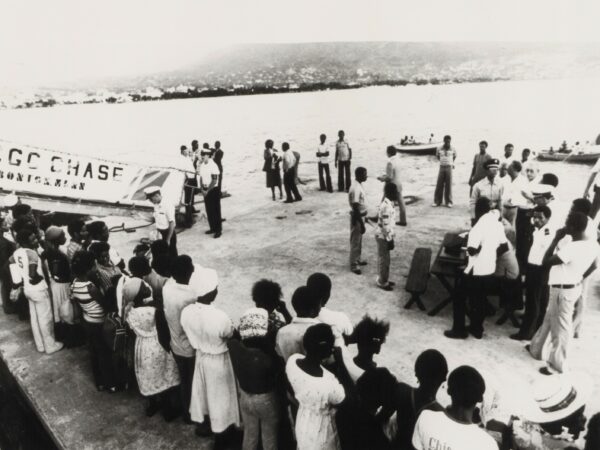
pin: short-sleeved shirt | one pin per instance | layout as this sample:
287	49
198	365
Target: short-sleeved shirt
576	257
514	195
484	188
479	163
435	430
487	235
289	338
386	217
542	238
176	297
343	150
164	213
446	156
323	148
356	194
289	160
207	171
392	170
25	257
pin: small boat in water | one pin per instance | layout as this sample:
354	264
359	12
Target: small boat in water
578	154
418	148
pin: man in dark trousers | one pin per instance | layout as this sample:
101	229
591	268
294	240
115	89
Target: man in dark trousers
323	155
218	159
209	186
188	164
343	156
289	175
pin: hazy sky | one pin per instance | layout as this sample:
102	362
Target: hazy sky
50	41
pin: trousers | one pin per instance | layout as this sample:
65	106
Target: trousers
383	261
355	244
212	203
580	308
524	237
101	356
324	182
536	299
186	366
471	288
260	415
401	205
291	190
552	340
443	188
172	242
344	173
42	324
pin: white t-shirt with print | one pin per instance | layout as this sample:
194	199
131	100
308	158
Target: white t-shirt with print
436	431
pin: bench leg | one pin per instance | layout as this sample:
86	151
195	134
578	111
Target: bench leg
415	298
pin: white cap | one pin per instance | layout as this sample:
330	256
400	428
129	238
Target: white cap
203	281
151	190
10	200
542	189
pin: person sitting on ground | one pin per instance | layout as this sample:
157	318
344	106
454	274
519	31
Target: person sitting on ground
106	274
454	427
359	422
155	369
431	370
316	389
558	414
28	270
214	406
76	241
60	275
369	335
320	286
258	372
90	299
289	338
267	294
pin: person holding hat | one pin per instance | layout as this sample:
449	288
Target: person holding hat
60	274
489	187
454	428
164	217
258	372
446	155
214	405
556	416
569	266
209	186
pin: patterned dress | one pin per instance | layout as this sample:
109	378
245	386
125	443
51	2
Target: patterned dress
155	369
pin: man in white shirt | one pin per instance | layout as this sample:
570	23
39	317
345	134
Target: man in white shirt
519	199
392	175
209	186
489	187
595	181
508	157
569	266
343	158
289	175
536	280
323	155
289	337
188	165
177	294
486	242
384	235
455	427
358	214
446	154
320	286
164	217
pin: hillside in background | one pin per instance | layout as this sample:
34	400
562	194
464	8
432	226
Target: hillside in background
267	68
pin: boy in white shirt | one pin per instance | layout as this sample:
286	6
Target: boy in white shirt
454	428
164	217
323	155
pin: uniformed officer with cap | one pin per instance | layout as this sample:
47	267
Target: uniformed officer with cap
164	217
490	187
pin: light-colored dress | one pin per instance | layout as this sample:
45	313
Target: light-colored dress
214	389
315	423
155	369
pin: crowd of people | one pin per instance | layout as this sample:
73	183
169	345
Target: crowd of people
283	380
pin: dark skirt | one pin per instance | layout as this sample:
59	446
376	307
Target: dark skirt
273	178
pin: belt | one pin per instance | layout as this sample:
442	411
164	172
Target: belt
564	286
510	206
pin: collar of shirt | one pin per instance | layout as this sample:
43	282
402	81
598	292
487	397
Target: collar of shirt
305	320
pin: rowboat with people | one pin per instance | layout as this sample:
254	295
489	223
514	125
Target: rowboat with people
411	146
587	153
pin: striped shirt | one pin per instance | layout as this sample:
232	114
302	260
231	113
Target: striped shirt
385	220
104	276
446	156
92	310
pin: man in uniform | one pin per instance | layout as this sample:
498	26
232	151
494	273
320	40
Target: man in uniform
164	217
209	186
489	187
358	213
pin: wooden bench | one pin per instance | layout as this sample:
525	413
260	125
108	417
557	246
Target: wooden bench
418	276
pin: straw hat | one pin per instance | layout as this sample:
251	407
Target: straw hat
557	397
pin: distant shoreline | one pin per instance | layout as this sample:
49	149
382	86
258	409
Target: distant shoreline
195	92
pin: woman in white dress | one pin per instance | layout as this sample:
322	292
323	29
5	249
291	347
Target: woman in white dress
214	404
317	391
155	368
